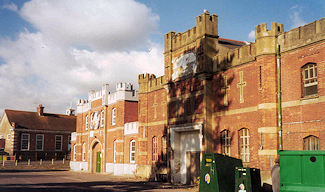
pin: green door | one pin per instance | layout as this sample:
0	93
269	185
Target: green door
98	162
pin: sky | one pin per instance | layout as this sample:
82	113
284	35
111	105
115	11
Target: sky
52	52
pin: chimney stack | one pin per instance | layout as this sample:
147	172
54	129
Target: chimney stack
40	110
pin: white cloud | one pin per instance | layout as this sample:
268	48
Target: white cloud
12	7
294	16
251	36
48	67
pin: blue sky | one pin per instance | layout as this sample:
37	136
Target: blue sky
52	52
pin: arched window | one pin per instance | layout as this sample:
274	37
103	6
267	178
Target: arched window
311	143
132	151
244	144
164	147
225	142
309	79
86	123
155	148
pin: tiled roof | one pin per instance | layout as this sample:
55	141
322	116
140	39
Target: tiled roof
32	121
231	44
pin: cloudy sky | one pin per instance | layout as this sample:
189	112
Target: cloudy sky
52	52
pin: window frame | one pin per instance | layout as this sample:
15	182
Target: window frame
102	119
55	146
74	152
28	141
154	148
308	145
114	116
225	142
42	141
114	150
83	156
310	69
132	151
86	123
244	144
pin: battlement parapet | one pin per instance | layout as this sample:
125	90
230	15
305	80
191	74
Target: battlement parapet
303	35
82	106
149	82
234	57
261	30
206	24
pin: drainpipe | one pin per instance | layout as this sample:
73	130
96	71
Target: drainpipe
278	59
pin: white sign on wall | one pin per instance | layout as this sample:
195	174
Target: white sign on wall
184	65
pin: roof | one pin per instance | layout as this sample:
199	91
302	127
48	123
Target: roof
32	121
231	44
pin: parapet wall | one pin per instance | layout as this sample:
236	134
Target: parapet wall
149	82
206	24
301	36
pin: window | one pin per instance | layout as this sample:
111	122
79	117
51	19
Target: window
132	151
114	116
225	142
164	148
155	148
114	151
8	136
102	118
86	123
58	142
309	76
69	143
74	153
25	142
39	142
92	120
84	152
311	143
244	144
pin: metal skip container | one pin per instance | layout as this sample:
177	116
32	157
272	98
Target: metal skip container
218	173
302	170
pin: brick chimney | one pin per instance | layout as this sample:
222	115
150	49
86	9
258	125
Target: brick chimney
40	110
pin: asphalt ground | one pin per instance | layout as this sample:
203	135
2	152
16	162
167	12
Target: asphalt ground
59	177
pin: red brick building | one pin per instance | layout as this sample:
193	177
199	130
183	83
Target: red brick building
221	97
217	95
37	135
107	129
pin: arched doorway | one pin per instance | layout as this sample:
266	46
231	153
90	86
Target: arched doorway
96	157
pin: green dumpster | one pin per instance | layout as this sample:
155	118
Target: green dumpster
302	171
247	179
218	173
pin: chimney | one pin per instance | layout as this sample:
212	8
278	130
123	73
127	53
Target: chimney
40	110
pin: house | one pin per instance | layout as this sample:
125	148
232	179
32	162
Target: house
37	135
107	130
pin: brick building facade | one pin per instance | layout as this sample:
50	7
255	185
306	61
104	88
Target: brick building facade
220	95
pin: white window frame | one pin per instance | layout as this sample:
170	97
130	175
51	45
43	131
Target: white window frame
41	140
22	141
102	118
84	152
8	136
114	151
311	143
86	123
114	116
74	152
225	142
310	79
55	146
132	151
155	148
244	145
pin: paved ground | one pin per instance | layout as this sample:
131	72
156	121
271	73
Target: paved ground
58	178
